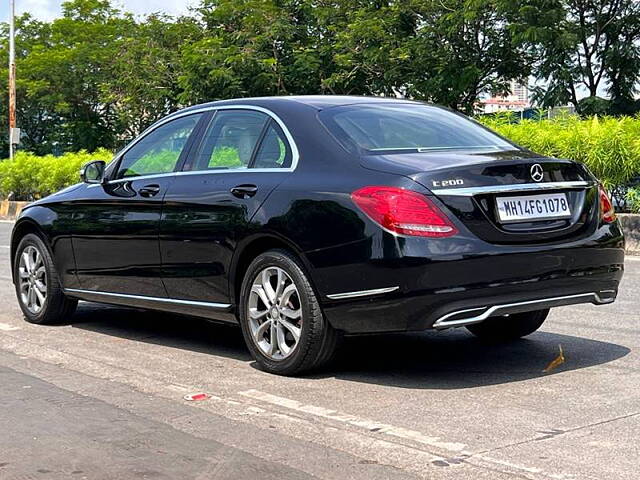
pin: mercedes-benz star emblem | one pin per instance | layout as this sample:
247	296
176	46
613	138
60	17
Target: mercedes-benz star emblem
537	174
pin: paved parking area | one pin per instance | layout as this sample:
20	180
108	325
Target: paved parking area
102	397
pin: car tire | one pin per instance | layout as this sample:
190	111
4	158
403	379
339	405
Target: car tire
274	290
37	284
512	327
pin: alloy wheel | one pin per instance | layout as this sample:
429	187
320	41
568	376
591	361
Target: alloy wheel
275	314
33	279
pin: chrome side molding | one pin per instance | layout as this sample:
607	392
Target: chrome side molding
123	296
519	187
362	293
450	320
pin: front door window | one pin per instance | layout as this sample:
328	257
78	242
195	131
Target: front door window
158	151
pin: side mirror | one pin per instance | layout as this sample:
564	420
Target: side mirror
93	172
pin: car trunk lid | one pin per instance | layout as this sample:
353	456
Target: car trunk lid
474	186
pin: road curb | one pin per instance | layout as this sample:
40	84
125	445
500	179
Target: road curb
10	210
631	227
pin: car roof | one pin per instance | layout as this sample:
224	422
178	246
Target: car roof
318	102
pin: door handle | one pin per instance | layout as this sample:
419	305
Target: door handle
244	191
149	190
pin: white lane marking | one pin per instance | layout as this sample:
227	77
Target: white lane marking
370	425
5	246
632	258
518	467
177	388
7	221
8	328
475	459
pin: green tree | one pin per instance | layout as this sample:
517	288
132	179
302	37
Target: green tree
261	47
446	51
580	44
67	71
622	61
144	86
38	123
590	106
372	48
62	67
95	77
469	47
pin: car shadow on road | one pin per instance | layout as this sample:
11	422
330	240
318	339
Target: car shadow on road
451	359
175	331
455	359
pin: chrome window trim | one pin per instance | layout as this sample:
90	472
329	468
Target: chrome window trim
295	154
442	322
520	187
149	299
362	293
191	172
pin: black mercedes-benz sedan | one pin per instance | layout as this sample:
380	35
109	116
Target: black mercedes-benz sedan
304	218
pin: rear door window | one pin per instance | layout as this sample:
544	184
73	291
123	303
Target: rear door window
274	151
230	140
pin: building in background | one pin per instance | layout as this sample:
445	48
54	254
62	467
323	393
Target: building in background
517	100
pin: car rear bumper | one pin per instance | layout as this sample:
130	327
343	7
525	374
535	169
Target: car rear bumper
448	291
470	316
411	312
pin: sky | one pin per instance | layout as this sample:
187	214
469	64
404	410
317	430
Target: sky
49	9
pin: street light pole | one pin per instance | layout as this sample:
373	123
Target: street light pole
12	77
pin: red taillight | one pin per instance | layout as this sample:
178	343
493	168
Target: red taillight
607	211
403	211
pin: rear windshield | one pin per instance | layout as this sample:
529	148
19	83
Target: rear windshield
407	127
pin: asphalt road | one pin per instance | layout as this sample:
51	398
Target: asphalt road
101	397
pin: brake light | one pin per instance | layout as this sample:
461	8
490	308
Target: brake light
403	211
607	211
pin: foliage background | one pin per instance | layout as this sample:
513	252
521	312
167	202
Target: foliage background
97	76
29	176
610	147
633	197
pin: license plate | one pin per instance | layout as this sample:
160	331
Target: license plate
533	207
